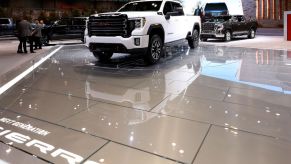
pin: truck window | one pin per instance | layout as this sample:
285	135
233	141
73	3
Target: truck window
241	19
4	21
234	19
167	8
178	7
215	9
79	22
141	6
63	22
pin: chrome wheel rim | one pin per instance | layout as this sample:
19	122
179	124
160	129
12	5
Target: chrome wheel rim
156	49
252	33
227	36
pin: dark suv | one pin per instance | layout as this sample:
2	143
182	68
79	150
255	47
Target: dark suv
226	27
7	27
65	28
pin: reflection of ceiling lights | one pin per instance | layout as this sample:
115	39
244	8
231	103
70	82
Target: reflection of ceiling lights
181	151
8	150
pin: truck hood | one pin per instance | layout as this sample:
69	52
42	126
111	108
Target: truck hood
132	14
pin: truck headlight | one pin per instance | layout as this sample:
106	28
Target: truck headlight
139	22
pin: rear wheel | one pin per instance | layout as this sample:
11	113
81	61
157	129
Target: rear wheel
227	36
155	50
252	34
103	56
193	41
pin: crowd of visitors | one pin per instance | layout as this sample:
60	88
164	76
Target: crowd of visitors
29	32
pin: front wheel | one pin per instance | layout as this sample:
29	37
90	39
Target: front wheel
252	34
193	41
103	56
155	50
227	36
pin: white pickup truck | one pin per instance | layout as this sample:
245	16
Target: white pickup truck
141	27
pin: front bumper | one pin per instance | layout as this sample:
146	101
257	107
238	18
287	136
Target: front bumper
117	43
212	34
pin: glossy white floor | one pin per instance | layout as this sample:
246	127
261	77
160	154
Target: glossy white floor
210	105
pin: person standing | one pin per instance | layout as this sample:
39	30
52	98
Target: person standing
37	35
21	36
41	23
24	31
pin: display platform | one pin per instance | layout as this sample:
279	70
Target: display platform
195	106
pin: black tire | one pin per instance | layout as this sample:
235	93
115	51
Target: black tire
252	34
103	56
204	39
227	36
155	50
193	41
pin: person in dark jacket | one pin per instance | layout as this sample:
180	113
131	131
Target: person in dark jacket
24	31
37	35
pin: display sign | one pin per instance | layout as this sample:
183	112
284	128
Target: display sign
47	141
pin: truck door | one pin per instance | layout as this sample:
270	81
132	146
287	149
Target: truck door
241	23
78	27
235	25
60	28
180	21
170	24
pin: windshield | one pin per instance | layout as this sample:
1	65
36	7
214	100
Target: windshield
215	7
141	6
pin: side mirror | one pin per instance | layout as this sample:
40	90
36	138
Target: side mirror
168	15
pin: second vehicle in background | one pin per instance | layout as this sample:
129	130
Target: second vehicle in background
65	28
227	27
7	27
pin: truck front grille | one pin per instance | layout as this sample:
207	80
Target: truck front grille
109	25
208	27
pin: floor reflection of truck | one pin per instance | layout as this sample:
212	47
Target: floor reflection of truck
140	98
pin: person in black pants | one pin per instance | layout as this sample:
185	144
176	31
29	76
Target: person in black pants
24	31
37	35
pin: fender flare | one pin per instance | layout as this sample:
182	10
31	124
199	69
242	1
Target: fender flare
156	26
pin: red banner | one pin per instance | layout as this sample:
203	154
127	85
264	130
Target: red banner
289	27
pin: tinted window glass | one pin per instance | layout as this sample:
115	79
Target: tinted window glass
177	7
79	22
64	22
234	19
142	6
241	19
215	6
167	8
4	21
